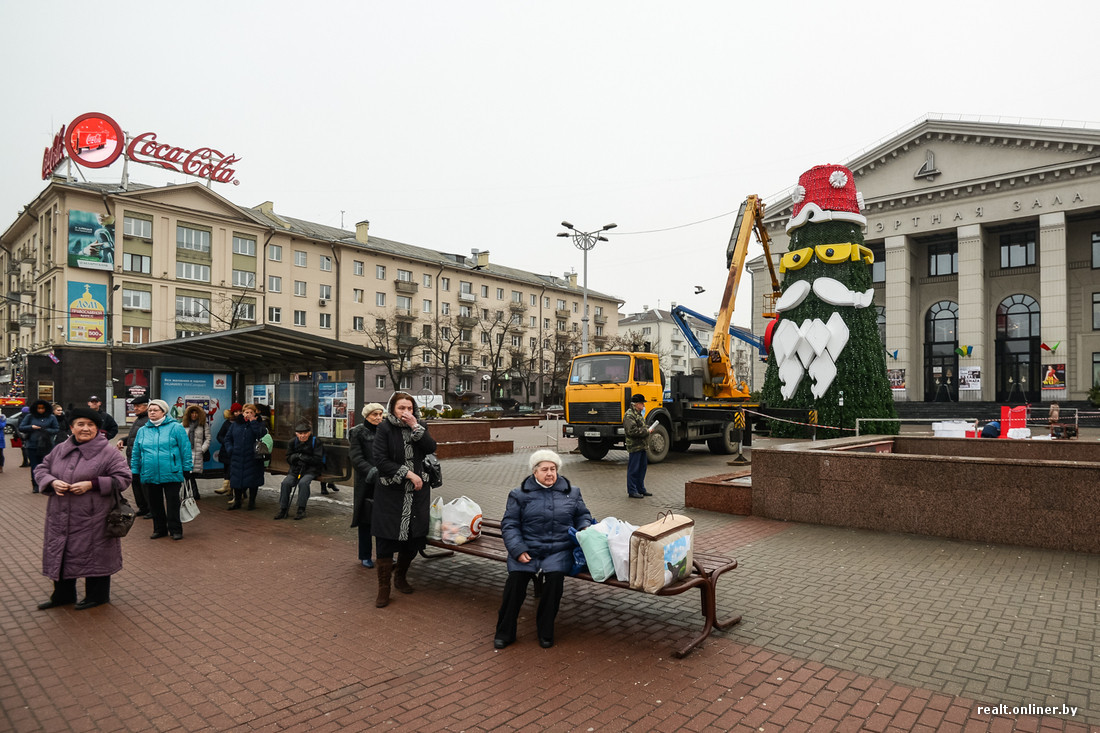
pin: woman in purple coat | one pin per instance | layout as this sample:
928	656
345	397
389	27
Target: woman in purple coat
80	476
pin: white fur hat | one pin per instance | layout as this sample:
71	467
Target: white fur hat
544	455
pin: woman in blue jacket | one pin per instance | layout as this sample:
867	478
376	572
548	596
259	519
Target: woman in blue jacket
535	529
38	428
244	469
162	453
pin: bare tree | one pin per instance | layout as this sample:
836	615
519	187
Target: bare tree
525	369
635	341
566	345
395	336
443	346
494	326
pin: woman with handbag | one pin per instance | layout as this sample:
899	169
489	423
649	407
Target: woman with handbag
360	442
244	468
161	456
80	477
194	422
402	498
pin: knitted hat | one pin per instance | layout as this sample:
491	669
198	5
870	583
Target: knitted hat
235	407
372	407
826	193
544	455
161	404
86	412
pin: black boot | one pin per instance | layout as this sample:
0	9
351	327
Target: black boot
238	496
252	497
281	514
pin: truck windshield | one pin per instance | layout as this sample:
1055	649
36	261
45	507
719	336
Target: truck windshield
612	368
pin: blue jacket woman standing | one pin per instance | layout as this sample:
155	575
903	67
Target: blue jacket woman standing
161	455
535	530
38	428
244	469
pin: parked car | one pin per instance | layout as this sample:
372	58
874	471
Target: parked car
12	421
554	412
485	411
520	411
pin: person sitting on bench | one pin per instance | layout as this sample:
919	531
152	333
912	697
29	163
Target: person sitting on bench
305	458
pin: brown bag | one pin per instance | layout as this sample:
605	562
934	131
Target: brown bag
121	517
661	552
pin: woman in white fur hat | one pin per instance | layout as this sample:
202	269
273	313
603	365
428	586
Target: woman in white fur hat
535	529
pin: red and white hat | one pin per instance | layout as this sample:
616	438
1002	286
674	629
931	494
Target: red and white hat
826	193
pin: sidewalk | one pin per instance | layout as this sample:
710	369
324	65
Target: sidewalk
251	624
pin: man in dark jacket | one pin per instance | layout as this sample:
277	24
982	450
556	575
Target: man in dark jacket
141	407
110	427
637	441
306	458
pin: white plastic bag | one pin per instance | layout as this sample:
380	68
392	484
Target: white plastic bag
435	519
461	521
618	542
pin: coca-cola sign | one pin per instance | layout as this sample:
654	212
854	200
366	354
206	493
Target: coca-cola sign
200	162
94	140
54	154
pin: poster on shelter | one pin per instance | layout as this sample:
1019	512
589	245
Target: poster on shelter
970	379
137	385
1055	376
91	240
210	391
87	313
333	400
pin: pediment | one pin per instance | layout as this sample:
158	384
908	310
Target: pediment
194	196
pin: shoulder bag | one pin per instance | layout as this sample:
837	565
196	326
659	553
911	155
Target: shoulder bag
121	517
433	471
189	509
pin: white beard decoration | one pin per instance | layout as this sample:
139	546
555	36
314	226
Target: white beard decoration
815	346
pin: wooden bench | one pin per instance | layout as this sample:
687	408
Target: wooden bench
708	568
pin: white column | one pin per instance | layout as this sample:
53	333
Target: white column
900	333
1052	295
972	310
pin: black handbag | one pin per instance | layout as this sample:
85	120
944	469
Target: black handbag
121	517
433	471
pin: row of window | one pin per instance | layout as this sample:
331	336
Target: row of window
1017	250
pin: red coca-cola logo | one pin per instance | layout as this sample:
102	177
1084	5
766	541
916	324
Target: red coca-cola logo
94	140
54	154
200	162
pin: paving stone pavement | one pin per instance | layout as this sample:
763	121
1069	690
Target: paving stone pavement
251	624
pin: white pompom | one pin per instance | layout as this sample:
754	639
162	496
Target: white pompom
799	194
837	179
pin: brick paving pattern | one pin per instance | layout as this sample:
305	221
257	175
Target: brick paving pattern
254	625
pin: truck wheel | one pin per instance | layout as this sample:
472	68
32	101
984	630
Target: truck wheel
593	451
726	443
681	446
658	446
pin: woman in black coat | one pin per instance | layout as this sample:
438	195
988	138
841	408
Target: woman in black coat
402	498
245	470
360	442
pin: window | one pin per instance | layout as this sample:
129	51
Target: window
380	325
137	263
300	288
597	310
465	287
878	267
534	322
275	252
244	246
646	330
484	337
1095	309
142	300
183	333
245	312
599	330
940	322
464	311
426	333
1095	252
426	307
357	323
1095	368
274	284
193	239
380	272
546	301
575	306
533	343
445	332
426	381
380	381
464	359
326	320
561	304
562	326
943	258
192	310
880	320
324	292
534	300
426	356
1018	317
326	263
357	267
404	303
405	276
517	296
357	295
406	383
380	299
445	283
244	279
484	291
1018	249
135	334
445	308
300	318
301	259
142	228
427	281
191	271
274	315
517	341
546	324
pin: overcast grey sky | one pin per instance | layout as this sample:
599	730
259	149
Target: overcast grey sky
476	124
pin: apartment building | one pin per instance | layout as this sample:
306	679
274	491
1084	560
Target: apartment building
92	270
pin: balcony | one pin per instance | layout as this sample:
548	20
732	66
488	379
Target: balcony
563	313
517	307
465	345
467	298
406	287
601	320
466	370
26	286
516	327
403	314
466	321
407	342
600	340
562	335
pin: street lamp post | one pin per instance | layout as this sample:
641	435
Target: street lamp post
585	241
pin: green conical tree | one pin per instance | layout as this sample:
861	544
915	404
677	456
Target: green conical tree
861	367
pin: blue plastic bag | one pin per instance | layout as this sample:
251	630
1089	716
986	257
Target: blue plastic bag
578	554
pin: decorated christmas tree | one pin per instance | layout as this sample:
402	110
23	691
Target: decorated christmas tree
825	353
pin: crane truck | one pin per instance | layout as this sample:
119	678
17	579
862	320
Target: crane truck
687	408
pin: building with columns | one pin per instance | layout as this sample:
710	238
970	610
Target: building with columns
986	237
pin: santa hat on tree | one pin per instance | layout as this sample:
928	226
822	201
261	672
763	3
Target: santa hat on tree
826	193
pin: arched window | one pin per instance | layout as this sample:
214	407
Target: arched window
939	323
1018	317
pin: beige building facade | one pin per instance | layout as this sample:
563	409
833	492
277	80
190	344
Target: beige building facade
986	237
99	269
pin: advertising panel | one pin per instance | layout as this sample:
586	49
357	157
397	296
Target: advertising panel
91	240
970	379
333	399
137	385
1055	377
210	391
87	315
896	377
